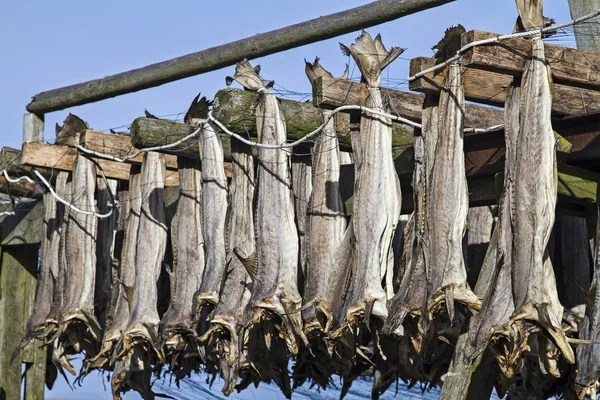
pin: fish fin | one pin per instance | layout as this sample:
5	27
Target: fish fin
370	303
450	302
249	263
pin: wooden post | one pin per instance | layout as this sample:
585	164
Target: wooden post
17	285
587	35
33	128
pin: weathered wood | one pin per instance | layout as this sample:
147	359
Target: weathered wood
33	128
490	88
331	93
116	145
214	58
19	263
569	66
54	157
587	35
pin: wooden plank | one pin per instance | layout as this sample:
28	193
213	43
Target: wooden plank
488	87
331	93
255	46
33	128
569	66
13	276
54	157
117	146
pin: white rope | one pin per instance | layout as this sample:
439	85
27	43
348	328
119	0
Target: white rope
497	39
67	203
18	179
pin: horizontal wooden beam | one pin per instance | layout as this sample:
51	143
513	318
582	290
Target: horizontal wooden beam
263	44
332	93
569	66
54	157
490	88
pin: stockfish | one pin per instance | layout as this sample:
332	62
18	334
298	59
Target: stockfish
222	340
301	188
272	326
139	344
326	223
177	325
123	286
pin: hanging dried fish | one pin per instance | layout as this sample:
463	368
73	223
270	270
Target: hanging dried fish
52	225
447	208
269	317
301	188
223	343
326	223
214	214
106	193
122	289
177	325
139	344
78	328
377	194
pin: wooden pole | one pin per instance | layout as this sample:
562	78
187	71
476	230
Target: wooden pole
218	57
587	34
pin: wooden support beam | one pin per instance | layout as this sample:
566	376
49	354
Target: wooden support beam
331	93
260	45
235	109
54	157
569	66
490	88
18	269
33	128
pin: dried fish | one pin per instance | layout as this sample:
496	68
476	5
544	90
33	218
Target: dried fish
214	214
177	325
377	194
301	188
78	328
141	334
106	193
122	289
52	225
223	343
270	313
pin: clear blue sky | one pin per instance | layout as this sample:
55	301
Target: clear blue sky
50	44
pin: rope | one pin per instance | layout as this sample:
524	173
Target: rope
497	39
67	203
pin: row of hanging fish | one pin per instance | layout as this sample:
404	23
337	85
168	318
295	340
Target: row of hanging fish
251	273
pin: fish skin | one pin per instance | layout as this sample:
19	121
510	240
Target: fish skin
447	208
223	342
105	241
535	195
117	314
150	250
214	213
188	256
302	188
377	195
326	219
81	255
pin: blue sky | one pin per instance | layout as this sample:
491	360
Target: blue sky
50	44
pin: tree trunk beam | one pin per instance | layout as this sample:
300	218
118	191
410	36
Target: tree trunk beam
331	93
569	66
218	57
488	87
